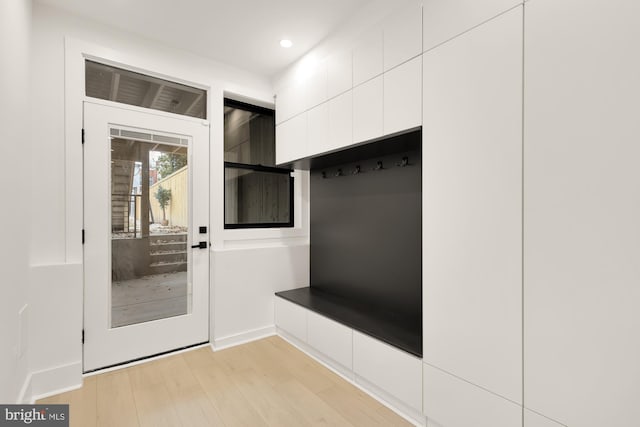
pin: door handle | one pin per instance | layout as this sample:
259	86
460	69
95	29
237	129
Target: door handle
200	245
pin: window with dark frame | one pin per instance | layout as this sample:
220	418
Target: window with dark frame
257	194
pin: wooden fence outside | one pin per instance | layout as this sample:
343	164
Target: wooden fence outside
177	211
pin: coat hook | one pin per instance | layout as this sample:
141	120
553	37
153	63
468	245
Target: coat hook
324	175
356	171
339	172
404	162
378	166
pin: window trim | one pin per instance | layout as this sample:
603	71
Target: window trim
258	168
228	102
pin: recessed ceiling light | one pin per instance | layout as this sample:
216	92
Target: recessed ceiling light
286	43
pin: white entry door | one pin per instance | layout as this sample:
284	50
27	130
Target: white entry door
146	223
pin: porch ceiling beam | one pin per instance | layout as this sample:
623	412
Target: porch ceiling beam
115	85
192	104
152	94
181	86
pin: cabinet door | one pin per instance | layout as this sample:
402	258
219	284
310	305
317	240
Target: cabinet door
318	125
291	139
392	370
368	110
402	36
368	57
403	97
291	318
452	402
472	211
340	121
445	19
290	101
582	211
331	338
339	73
316	86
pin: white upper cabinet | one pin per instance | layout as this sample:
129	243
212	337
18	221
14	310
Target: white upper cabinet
357	95
403	97
452	402
472	206
368	57
318	125
340	121
402	36
304	89
339	73
315	85
368	110
582	211
291	139
445	19
290	101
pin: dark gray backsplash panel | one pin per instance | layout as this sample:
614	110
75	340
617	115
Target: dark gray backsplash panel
366	230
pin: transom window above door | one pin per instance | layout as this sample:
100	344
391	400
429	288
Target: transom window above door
128	87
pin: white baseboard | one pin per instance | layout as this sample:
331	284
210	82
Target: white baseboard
25	392
53	381
376	393
243	337
391	402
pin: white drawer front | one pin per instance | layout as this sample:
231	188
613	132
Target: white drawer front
330	338
292	318
390	369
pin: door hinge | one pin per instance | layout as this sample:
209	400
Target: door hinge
83	135
83	336
83	236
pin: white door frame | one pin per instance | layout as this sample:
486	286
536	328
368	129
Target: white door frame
106	346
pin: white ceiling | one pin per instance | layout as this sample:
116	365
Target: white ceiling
243	33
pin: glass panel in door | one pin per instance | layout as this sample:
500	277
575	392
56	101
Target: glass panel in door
150	263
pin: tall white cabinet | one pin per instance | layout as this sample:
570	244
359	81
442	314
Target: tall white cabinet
446	19
531	190
582	211
472	223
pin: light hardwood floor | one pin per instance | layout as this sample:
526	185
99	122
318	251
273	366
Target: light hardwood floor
266	382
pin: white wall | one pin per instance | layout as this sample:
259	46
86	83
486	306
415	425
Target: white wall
56	254
15	29
51	26
245	282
